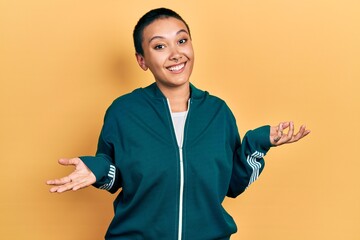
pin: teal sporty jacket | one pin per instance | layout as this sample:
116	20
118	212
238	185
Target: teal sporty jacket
168	192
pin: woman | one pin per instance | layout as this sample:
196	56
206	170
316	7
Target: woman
174	150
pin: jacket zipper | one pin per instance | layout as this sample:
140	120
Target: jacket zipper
181	195
181	164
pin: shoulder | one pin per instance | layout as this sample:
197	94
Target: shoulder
123	103
210	104
205	96
207	99
126	99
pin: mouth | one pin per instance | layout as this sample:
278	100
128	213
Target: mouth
177	68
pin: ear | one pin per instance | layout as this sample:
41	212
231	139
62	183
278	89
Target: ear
141	61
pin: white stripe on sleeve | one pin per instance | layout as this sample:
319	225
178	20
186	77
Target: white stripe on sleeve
111	174
255	165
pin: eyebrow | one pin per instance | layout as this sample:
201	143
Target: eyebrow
161	37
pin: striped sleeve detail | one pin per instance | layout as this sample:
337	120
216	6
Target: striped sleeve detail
111	175
255	165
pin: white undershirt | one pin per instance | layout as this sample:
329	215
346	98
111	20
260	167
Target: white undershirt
178	119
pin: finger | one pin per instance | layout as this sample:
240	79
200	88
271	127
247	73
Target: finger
63	188
50	182
302	133
60	181
298	135
285	125
286	138
60	188
290	132
81	185
281	128
87	180
76	184
67	161
66	187
307	132
275	136
54	189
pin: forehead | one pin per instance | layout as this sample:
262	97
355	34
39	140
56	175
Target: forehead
164	27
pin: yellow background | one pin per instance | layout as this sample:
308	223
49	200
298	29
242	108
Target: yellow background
63	62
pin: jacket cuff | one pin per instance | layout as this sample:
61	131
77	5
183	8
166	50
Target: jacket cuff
261	138
99	167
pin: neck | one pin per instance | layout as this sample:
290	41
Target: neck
178	97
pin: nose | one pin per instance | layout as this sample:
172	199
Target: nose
175	54
176	59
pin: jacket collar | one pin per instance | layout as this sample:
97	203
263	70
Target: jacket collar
154	91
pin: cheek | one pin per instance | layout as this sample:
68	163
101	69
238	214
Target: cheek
160	58
154	62
189	52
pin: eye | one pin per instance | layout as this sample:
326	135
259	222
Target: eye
159	47
182	41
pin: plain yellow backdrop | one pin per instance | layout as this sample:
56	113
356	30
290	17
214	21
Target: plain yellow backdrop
63	62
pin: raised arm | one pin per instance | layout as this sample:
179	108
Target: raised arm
99	170
249	156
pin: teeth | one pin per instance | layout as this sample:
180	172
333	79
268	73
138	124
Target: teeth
176	68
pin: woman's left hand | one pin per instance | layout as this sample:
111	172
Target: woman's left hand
278	137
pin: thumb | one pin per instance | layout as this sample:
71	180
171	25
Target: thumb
69	161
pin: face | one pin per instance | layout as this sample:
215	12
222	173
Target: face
168	52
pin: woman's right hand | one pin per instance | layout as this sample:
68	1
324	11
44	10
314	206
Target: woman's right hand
80	178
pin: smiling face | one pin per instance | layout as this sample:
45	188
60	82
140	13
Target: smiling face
168	52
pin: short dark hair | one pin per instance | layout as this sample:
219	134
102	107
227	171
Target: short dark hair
147	19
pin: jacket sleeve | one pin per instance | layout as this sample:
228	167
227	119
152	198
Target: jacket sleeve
248	161
103	163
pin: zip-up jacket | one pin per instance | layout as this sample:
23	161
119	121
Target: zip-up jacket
170	192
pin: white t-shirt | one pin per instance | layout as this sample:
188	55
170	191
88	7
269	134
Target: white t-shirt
178	119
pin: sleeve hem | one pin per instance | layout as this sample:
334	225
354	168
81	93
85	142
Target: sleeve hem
99	168
261	138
